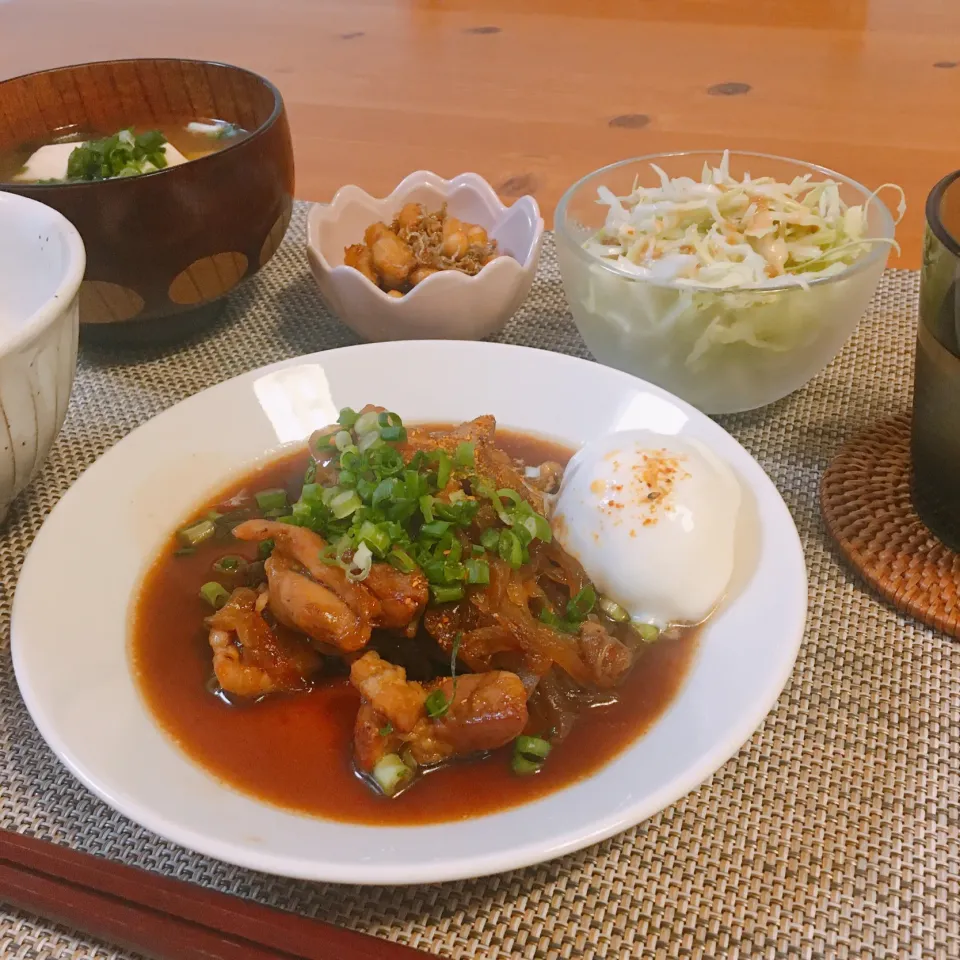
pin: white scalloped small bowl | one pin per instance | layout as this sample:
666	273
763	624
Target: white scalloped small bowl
448	305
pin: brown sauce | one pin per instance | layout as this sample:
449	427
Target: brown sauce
295	751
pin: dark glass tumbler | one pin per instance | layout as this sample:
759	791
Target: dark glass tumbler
935	434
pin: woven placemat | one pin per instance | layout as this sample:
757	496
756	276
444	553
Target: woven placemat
834	832
866	503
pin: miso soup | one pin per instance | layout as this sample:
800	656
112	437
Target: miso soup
73	154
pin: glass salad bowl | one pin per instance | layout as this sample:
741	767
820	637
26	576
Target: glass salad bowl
743	337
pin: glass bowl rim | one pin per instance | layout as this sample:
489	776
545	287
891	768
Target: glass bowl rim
887	224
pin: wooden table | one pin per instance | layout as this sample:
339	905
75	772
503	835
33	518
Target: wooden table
534	93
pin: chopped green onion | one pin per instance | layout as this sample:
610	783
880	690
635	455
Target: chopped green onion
350	459
391	773
365	488
393	434
369	441
302	514
385	462
529	754
385	490
310	474
437	704
184	551
367	423
522	766
489	539
435	530
229	564
196	534
214	515
311	493
386	730
426	507
453	550
478	571
399	558
388	419
463	457
538	527
273	499
648	632
454	571
360	565
510	549
328	555
550	618
446	593
522	534
343	441
348	417
215	594
375	537
345	503
444	467
402	511
580	605
613	610
276	513
477	550
506	493
533	747
264	549
323	442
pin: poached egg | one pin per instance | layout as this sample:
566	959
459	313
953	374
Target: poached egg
652	520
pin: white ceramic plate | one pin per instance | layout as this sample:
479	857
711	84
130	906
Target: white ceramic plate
71	656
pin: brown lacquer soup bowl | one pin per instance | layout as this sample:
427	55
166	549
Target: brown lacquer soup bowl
164	246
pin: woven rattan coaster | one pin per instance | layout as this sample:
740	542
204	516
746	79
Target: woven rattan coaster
865	500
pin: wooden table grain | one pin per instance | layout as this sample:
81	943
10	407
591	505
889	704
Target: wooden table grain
532	94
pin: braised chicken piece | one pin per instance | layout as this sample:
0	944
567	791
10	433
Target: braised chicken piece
481	712
386	687
302	604
304	547
402	596
321	600
249	659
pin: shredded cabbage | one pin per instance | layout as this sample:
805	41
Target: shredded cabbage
721	233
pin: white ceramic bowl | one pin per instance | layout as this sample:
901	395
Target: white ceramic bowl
85	701
41	265
448	305
759	345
